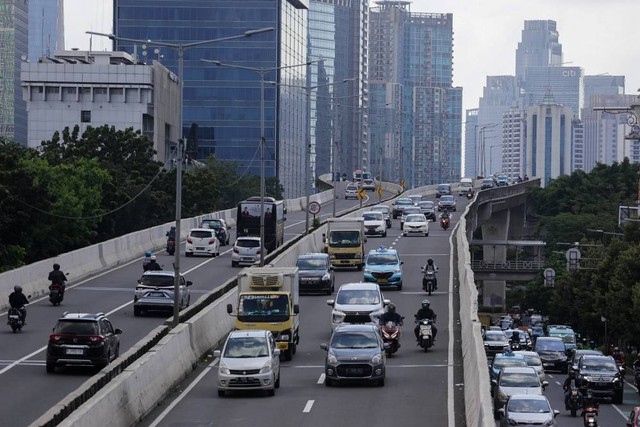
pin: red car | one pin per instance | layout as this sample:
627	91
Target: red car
634	417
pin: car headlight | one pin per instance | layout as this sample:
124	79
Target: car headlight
266	368
223	368
367	271
397	271
337	316
376	359
326	277
332	256
331	358
283	337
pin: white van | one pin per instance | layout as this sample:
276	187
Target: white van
465	185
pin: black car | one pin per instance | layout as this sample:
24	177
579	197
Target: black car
221	228
600	374
552	353
487	183
83	339
315	273
443	189
428	209
399	205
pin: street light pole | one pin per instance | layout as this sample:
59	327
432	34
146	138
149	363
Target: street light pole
181	48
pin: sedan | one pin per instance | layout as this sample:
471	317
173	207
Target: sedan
416	224
202	241
448	202
522	409
428	209
515	380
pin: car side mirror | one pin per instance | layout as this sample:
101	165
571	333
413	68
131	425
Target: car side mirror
229	309
501	412
556	413
296	308
386	302
331	302
276	352
189	283
545	384
324	346
401	262
216	353
117	331
494	382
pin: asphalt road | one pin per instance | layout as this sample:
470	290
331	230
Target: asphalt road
28	391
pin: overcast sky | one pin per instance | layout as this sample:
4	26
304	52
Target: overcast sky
598	35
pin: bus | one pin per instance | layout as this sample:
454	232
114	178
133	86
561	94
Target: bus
358	175
248	220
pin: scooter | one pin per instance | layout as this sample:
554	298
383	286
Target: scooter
429	281
469	195
590	417
425	333
444	222
171	246
391	334
15	320
56	294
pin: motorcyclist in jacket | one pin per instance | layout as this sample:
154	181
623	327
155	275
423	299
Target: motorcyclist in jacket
636	365
391	316
569	383
430	266
146	260
425	312
58	277
618	356
18	300
171	234
153	264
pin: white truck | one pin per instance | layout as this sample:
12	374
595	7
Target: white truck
268	298
344	242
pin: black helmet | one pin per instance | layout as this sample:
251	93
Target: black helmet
391	308
56	266
17	288
426	303
589	395
572	374
430	261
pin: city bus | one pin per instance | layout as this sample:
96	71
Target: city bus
248	220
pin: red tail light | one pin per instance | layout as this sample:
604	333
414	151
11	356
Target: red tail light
55	337
212	241
189	240
96	339
236	251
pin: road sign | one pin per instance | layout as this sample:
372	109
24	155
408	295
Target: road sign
403	184
379	190
573	259
314	208
362	193
549	277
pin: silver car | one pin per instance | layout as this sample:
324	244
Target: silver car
246	250
515	380
155	291
527	410
249	360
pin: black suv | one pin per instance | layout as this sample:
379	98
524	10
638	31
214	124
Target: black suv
600	374
221	228
315	273
83	339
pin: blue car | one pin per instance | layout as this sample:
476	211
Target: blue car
383	266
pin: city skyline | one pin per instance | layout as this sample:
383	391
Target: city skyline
477	52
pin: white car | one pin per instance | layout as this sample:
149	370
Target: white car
374	223
357	303
409	210
351	192
386	212
246	250
249	360
415	224
202	241
369	185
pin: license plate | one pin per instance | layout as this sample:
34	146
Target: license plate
283	345
14	316
200	248
247	259
245	379
382	280
354	371
75	351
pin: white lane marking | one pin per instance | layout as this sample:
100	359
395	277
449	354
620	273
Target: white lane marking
308	406
321	379
618	410
450	360
182	395
557	382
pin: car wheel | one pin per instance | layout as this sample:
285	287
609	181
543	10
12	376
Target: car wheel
328	382
137	311
51	367
618	397
271	392
277	383
221	393
381	382
288	354
384	234
426	234
234	263
188	254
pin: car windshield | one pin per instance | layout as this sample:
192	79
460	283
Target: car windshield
446	198
372	216
71	327
529	406
382	259
495	338
598	365
312	264
404	202
352	188
513	379
416	218
344	238
358	296
555	345
354	340
247	243
263	308
245	347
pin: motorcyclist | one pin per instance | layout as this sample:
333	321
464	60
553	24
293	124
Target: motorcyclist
391	316
18	300
153	264
171	234
588	401
569	383
515	337
618	356
430	266
146	260
636	365
425	312
58	277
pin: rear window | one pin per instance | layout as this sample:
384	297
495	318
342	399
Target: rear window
201	234
212	224
553	345
312	264
76	327
246	243
157	281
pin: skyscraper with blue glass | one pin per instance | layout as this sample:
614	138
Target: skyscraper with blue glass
222	105
46	28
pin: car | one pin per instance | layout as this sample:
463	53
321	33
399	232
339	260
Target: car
357	303
495	342
448	202
415	198
383	266
221	227
505	322
515	380
486	183
399	205
502	360
355	353
443	189
374	223
82	339
155	291
634	417
249	360
351	191
408	211
567	335
246	250
465	186
315	273
537	331
428	209
600	374
368	185
578	353
533	360
502	181
523	338
415	224
552	353
202	241
386	212
527	410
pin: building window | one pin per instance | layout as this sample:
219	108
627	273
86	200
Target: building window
85	116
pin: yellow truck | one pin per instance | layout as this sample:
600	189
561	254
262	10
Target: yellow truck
268	299
344	242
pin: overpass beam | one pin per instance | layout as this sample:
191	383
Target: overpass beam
497	228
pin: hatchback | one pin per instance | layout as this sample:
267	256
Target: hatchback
246	250
221	227
515	380
448	202
408	211
416	224
428	209
83	339
399	205
202	241
383	266
374	223
386	213
525	409
315	273
443	189
357	303
249	360
351	192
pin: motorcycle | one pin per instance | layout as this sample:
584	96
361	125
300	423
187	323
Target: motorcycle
56	294
590	417
638	381
575	401
444	222
425	333
391	335
15	320
469	195
621	369
171	246
428	281
515	345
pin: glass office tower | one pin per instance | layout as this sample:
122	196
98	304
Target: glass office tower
222	108
46	28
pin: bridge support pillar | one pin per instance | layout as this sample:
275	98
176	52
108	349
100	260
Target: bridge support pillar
497	228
